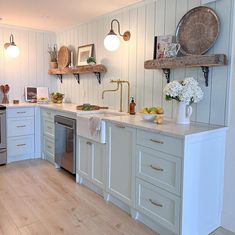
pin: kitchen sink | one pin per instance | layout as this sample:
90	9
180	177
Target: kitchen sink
91	126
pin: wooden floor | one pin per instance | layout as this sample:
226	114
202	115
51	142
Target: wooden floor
37	199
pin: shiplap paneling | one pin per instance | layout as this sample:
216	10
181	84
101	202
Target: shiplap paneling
30	68
145	20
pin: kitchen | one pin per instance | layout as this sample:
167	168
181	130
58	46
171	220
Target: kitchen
44	195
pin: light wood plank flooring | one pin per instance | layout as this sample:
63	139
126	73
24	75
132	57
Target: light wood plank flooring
37	199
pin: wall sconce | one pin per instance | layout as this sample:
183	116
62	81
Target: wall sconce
111	41
11	48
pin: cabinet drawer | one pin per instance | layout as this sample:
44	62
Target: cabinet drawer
20	112
159	205
49	146
160	142
49	157
48	128
48	114
20	146
158	168
20	126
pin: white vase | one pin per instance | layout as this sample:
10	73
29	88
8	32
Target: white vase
184	113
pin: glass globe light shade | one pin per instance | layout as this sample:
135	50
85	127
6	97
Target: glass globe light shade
111	42
13	51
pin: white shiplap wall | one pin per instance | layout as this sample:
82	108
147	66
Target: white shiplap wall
31	67
145	20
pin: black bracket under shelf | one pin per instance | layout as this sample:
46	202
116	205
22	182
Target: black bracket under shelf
205	70
98	76
167	73
77	76
60	76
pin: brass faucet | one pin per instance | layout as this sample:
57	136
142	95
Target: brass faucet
119	84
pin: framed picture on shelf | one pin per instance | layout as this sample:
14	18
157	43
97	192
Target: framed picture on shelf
83	53
31	94
160	43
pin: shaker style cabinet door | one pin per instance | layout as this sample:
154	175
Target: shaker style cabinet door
120	157
90	161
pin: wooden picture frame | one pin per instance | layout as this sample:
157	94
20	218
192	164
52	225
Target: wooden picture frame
83	53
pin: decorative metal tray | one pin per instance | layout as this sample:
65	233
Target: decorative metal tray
197	31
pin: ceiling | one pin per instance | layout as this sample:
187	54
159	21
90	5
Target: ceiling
56	15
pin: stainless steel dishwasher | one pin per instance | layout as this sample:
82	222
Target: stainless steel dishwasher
65	143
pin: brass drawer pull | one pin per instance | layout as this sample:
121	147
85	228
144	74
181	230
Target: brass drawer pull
20	145
120	126
157	141
20	126
49	147
155	203
48	127
21	112
156	168
89	143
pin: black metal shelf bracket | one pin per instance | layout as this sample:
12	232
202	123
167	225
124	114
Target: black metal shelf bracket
60	76
77	76
206	71
167	73
97	74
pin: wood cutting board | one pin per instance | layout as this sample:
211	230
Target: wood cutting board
64	57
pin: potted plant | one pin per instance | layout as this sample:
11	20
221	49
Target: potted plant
53	54
91	60
186	93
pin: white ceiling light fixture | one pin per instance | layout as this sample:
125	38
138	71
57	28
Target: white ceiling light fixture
111	41
11	48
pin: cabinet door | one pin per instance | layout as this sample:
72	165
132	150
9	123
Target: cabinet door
85	149
97	164
120	156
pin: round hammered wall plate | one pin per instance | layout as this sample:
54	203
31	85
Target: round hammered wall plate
197	31
64	57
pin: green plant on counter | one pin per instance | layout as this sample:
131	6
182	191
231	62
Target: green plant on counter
53	53
91	60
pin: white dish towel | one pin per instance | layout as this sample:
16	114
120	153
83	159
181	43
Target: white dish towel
94	125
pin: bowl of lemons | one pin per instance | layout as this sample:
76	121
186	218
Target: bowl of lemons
152	114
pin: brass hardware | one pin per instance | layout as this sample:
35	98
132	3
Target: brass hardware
157	141
21	112
48	113
48	127
156	168
19	145
20	126
48	146
155	203
89	143
120	126
119	84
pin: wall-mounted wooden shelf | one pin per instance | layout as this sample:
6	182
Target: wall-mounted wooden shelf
76	71
203	61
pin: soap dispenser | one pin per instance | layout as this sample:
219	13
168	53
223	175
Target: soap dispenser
132	106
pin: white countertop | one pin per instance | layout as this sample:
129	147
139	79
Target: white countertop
167	128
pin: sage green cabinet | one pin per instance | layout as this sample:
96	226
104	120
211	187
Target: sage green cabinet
121	142
90	165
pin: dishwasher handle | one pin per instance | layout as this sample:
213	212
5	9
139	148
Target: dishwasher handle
66	126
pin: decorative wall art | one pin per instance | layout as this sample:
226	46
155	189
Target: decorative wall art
84	52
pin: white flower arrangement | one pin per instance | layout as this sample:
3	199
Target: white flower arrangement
187	91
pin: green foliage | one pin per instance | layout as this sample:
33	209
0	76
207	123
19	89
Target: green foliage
53	53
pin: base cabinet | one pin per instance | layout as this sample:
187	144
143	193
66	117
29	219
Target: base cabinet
120	152
48	136
90	161
20	134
